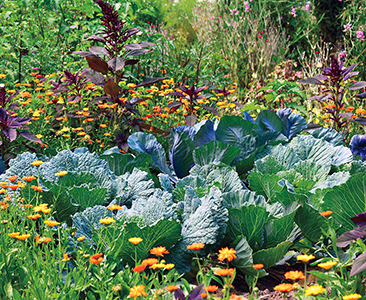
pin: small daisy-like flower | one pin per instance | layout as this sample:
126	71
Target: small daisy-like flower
12	178
34	217
169	266
196	246
159	251
284	287
135	240
225	272
150	261
137	291
61	173
107	221
294	275
51	223
37	163
327	265
305	258
211	288
114	207
226	253
314	290
29	178
37	188
80	239
171	288
326	213
96	258
139	268
352	297
22	237
14	234
258	266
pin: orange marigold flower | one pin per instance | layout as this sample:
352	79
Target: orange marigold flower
139	268
14	234
29	178
258	266
305	258
284	287
80	239
226	253
314	290
51	223
204	295
150	261
37	188
211	288
327	265
294	275
22	237
42	240
171	288
235	297
34	217
14	187
114	207
12	178
196	246
225	272
159	251
137	291
135	240
326	213
96	258
103	125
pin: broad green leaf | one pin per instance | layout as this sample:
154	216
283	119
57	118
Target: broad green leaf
310	222
269	257
243	198
232	129
244	259
264	184
278	230
285	155
215	151
247	221
122	163
311	171
164	233
328	134
85	197
267	121
269	165
347	200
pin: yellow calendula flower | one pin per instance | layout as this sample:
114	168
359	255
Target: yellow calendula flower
327	265
305	258
61	173
135	240
80	239
352	297
51	223
37	163
107	221
314	290
14	234
22	237
226	253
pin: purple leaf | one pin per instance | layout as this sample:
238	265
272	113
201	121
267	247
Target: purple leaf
200	89
177	94
349	69
117	63
175	104
346	115
196	293
312	80
98	50
362	95
30	136
359	220
361	121
321	97
97	64
358	146
94	77
359	265
133	46
149	81
358	85
178	294
345	239
350	75
131	32
84	53
95	38
129	62
191	120
10	133
137	52
212	110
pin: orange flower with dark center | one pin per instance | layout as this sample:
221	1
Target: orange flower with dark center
150	261
225	272
139	268
171	288
211	288
96	258
226	253
284	287
294	275
258	266
12	178
196	246
159	251
326	213
137	291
